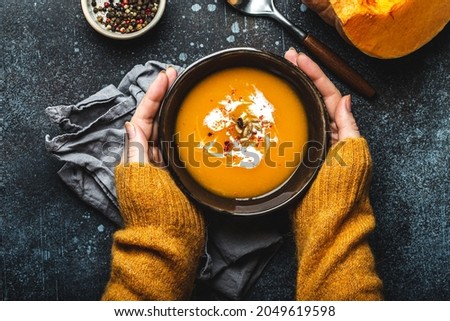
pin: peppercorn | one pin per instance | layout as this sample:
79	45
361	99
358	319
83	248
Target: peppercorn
125	16
240	122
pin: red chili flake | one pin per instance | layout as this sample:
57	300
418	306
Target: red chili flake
106	4
226	146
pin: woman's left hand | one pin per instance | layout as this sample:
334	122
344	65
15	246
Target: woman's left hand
343	124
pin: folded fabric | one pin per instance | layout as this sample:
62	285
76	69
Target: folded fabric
239	249
91	146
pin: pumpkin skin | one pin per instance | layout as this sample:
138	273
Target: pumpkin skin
384	28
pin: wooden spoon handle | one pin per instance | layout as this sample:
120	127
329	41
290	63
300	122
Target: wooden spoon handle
338	66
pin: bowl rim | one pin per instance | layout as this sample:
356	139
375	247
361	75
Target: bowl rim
239	209
88	14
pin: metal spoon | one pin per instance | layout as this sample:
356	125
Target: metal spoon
333	62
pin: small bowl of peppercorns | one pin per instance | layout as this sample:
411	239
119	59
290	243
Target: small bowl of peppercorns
123	19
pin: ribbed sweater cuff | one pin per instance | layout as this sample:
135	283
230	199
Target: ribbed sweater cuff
346	172
148	196
342	180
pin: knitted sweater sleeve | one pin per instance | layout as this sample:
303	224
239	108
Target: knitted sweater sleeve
156	254
332	225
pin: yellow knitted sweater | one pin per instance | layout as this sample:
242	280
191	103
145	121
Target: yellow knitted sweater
156	255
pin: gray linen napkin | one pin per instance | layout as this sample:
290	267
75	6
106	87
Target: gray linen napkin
90	147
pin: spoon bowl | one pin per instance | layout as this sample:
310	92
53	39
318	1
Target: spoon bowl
265	8
257	8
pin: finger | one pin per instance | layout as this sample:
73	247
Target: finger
330	93
291	55
334	138
156	157
136	146
155	151
334	133
148	108
171	74
345	122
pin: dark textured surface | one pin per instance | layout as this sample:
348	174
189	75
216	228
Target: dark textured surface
53	247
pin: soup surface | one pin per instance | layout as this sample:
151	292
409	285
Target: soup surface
241	132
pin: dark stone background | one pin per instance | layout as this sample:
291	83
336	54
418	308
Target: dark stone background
54	247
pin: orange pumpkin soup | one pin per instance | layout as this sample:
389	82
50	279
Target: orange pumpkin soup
241	132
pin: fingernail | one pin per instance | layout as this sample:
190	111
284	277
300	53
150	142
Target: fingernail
348	103
131	131
170	66
162	71
291	48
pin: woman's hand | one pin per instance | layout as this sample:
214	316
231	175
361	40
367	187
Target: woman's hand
142	130
343	124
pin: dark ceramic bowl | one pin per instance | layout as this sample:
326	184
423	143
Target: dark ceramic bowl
303	176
